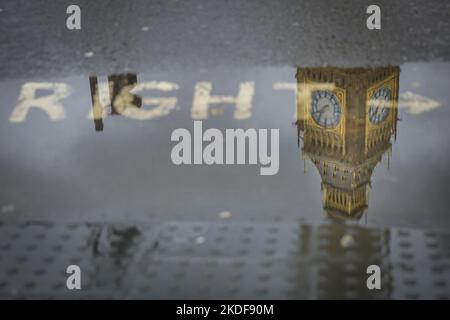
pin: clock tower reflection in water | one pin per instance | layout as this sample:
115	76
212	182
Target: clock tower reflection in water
347	119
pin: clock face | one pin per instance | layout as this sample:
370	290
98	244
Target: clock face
380	105
325	109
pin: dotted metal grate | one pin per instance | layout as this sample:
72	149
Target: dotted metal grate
221	260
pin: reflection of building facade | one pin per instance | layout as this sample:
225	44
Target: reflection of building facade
347	118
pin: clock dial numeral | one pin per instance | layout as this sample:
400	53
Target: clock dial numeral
325	109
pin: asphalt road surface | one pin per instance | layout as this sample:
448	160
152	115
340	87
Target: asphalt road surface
170	35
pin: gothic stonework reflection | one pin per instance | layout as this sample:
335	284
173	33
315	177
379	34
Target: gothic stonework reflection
346	119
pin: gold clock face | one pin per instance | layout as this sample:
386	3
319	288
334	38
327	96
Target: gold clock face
380	105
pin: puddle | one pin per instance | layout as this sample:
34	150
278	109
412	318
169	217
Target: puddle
58	163
363	153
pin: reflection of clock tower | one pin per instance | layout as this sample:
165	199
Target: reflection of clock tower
347	117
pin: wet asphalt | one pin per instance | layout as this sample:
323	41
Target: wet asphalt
112	202
173	35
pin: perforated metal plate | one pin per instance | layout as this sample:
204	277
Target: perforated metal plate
221	260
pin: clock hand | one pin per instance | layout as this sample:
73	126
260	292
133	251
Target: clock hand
376	110
325	108
320	115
